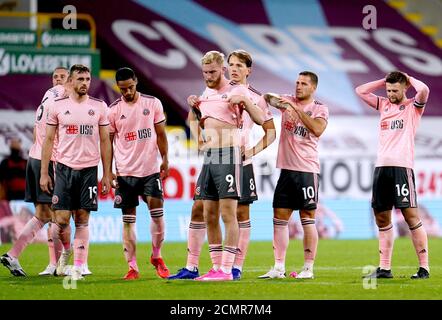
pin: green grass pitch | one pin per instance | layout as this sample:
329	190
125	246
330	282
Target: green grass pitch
338	272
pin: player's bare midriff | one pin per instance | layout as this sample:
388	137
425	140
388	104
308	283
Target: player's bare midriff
220	134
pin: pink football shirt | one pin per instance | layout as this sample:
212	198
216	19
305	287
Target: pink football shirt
398	122
298	148
248	123
40	122
214	104
398	125
135	139
78	130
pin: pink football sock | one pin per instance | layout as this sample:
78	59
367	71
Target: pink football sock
26	236
420	242
196	237
243	243
228	256
280	240
310	240
216	254
386	241
130	241
81	240
157	231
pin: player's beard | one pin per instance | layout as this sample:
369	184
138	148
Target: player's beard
81	91
214	83
129	98
395	100
301	96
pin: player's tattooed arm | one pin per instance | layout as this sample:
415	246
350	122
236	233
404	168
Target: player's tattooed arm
315	125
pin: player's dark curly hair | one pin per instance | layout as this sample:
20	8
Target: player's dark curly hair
395	77
125	73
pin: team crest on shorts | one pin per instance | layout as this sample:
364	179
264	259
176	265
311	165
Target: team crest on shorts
224	96
198	190
146	112
91	112
309	113
118	199
54	199
402	107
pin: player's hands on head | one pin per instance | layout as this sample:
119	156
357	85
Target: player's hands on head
408	79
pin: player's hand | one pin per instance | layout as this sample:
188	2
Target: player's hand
236	99
164	169
203	145
288	102
247	154
106	184
408	84
114	182
46	184
192	100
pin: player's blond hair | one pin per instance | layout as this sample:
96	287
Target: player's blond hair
213	56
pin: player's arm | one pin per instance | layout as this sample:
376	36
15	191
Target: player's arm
111	141
266	140
114	183
106	158
195	129
160	129
314	125
365	92
252	109
34	135
46	184
422	92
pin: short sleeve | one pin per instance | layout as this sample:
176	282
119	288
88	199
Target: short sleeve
103	120
52	115
111	117
159	113
322	112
